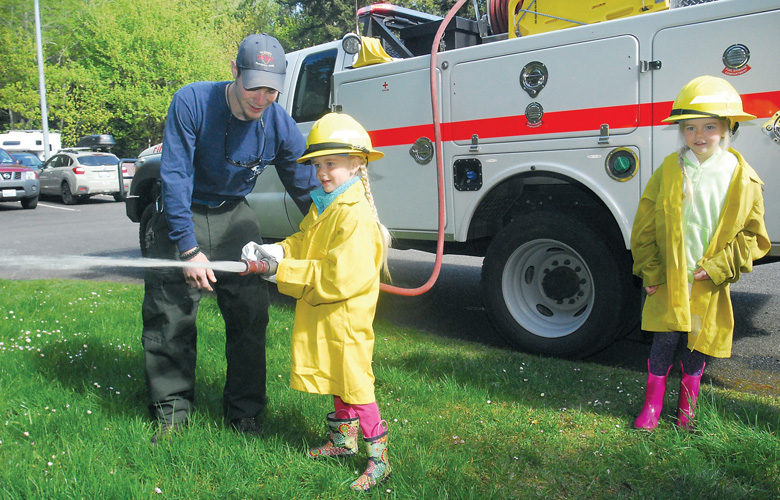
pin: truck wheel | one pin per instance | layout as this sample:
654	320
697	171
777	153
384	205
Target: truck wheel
30	202
67	195
553	285
143	226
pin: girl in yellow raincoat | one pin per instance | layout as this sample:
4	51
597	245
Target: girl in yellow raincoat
699	225
332	268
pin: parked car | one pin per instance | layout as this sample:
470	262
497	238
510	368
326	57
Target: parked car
75	174
17	182
27	159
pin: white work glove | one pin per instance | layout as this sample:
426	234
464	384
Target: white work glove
253	251
274	250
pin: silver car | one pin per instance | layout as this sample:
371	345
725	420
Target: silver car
76	174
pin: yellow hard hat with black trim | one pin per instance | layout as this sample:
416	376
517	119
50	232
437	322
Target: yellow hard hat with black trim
338	134
708	97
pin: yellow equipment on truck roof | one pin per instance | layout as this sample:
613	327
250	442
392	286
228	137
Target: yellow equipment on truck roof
540	16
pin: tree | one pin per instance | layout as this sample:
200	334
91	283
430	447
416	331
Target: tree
112	66
19	86
130	57
18	83
319	21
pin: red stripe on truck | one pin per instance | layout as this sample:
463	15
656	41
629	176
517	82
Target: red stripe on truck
762	104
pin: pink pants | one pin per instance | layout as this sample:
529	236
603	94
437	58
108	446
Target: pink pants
370	420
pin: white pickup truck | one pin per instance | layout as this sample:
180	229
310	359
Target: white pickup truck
547	141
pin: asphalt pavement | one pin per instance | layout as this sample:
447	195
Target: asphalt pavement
453	308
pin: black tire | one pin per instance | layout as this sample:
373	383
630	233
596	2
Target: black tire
67	195
30	203
553	285
143	227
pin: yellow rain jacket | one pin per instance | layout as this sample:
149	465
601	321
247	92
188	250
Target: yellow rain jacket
332	268
659	256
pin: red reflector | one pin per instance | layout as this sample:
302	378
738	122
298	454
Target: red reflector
379	8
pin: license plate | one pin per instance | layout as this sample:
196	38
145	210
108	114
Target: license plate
9	193
104	174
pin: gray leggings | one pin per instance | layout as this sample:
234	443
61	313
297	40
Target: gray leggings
663	350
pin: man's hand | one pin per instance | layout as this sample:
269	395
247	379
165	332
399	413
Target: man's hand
200	278
651	289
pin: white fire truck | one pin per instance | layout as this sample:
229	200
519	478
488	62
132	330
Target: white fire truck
548	136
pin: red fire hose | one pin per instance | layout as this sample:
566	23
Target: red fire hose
498	15
410	292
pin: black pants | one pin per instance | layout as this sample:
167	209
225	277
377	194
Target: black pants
170	309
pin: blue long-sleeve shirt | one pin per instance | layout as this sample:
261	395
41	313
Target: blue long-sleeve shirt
200	132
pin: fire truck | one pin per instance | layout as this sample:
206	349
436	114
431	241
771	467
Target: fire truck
526	137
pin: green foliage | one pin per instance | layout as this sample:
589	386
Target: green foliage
19	78
112	66
19	83
132	55
20	100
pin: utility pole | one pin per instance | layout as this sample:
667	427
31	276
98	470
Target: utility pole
42	84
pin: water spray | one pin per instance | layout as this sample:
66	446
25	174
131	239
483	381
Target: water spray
86	262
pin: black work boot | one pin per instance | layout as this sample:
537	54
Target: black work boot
245	425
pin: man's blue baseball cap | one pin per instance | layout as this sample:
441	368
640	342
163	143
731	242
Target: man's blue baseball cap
262	62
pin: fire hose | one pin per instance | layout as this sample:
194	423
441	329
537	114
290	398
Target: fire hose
411	292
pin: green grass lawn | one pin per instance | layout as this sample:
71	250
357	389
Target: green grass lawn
466	421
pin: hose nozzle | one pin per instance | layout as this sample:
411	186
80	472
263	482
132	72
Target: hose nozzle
254	267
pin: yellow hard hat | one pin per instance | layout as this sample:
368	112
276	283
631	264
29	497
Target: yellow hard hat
708	97
337	134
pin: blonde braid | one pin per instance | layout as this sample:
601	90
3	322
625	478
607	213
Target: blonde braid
386	238
687	187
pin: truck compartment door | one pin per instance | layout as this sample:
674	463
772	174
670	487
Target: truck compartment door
395	108
549	93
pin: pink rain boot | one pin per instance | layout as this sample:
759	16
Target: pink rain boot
689	392
654	400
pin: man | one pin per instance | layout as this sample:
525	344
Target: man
219	136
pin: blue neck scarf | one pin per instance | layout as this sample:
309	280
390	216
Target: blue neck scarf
322	200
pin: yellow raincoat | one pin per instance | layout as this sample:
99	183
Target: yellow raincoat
332	268
659	256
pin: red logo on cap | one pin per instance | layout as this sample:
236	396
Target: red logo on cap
265	58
